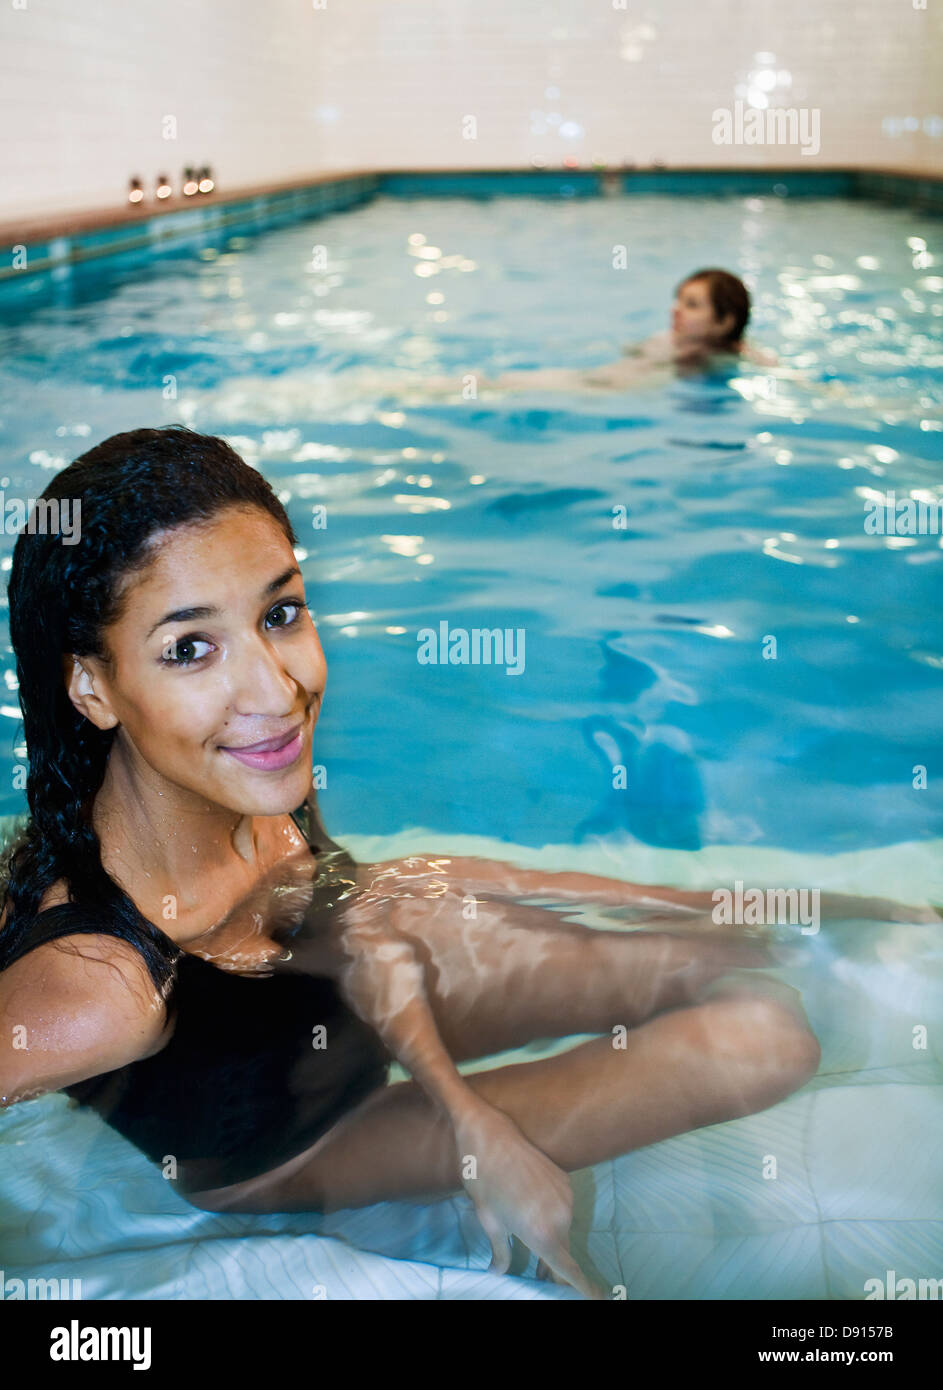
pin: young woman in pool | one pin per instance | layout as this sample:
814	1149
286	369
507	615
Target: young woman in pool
709	316
170	678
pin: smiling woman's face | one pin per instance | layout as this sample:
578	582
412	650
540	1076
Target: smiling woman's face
191	690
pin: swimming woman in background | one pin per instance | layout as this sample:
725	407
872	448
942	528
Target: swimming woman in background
174	955
709	317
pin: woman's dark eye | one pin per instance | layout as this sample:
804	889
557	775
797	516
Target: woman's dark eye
175	652
288	603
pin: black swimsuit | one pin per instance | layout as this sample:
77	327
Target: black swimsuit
244	1083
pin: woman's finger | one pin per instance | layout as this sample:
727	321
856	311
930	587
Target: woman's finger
560	1267
500	1242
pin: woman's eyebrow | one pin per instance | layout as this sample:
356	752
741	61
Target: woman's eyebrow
185	615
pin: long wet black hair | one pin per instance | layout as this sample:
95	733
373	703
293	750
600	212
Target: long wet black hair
62	597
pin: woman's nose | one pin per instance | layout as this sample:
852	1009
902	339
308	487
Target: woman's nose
263	684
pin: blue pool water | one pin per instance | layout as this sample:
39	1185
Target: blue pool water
744	500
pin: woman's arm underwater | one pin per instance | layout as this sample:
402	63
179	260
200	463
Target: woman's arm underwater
501	879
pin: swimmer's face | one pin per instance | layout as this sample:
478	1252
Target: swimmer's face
184	689
692	316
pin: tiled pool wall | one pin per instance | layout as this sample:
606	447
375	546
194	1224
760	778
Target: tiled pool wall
216	217
213	217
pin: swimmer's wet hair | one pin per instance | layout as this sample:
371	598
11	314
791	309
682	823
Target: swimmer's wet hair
728	296
61	599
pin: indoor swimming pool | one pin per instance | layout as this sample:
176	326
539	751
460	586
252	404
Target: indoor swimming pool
722	673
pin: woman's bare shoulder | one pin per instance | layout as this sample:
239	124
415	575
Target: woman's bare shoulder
80	1005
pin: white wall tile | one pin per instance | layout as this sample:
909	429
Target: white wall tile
281	90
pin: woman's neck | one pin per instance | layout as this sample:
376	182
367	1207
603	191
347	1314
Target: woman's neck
160	841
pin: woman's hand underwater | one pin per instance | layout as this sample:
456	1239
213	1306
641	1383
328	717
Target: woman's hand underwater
518	1190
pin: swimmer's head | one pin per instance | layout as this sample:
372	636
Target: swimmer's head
710	311
172	630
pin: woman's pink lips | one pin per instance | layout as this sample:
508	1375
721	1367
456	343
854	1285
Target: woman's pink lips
270	758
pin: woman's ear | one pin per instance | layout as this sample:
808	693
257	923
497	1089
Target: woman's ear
86	687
